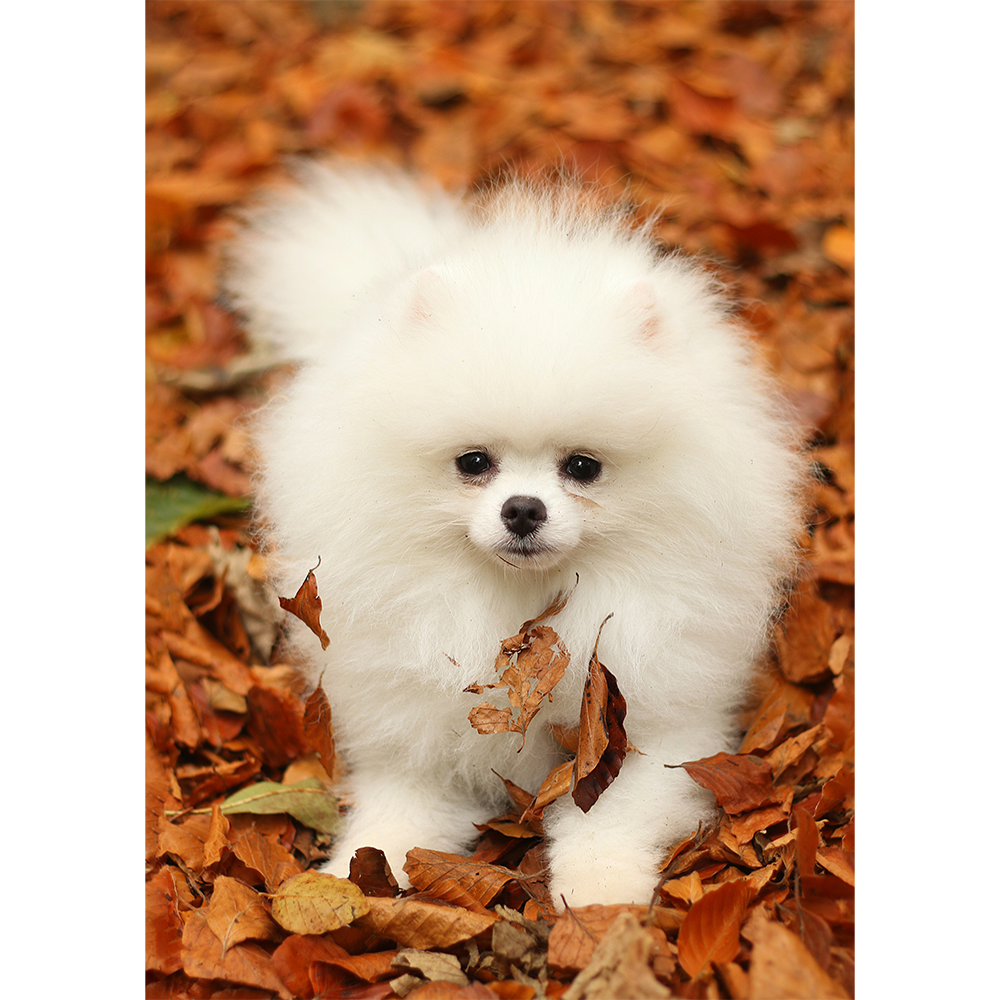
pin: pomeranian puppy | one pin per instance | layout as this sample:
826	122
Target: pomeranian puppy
498	402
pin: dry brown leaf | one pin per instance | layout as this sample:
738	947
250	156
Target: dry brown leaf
738	782
782	968
530	665
307	606
296	953
164	926
416	924
261	851
185	839
317	725
805	635
217	839
577	931
837	862
603	743
371	873
237	913
620	965
711	930
206	957
838	789
314	903
806	840
456	879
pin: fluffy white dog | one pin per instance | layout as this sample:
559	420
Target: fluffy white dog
498	402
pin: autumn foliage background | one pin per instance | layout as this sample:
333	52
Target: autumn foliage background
736	121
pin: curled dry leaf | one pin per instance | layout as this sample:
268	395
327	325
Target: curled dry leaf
307	606
738	782
530	665
603	743
711	930
314	903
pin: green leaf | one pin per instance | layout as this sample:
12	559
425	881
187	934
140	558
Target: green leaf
310	801
179	501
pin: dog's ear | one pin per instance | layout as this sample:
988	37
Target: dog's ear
423	295
642	308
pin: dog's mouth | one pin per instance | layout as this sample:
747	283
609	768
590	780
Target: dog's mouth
526	553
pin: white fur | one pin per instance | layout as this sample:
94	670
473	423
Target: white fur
532	328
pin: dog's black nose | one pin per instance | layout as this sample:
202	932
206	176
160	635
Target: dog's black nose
523	515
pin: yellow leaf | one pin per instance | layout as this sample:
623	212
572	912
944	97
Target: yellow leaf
314	903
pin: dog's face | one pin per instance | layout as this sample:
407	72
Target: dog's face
529	510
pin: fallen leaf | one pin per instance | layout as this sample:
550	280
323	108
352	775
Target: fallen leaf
456	879
205	956
603	743
296	953
577	931
314	903
620	965
371	873
782	968
307	606
530	665
164	926
711	930
738	782
433	965
416	924
261	852
237	913
310	801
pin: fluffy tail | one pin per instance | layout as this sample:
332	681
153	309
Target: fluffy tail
307	258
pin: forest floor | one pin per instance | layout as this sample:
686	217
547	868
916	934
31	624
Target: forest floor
735	122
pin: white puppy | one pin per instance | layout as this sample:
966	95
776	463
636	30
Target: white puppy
498	403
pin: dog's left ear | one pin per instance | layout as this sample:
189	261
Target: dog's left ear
423	294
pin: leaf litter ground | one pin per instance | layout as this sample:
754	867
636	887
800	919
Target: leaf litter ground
736	119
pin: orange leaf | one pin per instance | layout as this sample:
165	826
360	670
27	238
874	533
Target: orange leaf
577	932
711	930
782	966
163	924
738	782
205	957
261	852
294	955
307	606
456	879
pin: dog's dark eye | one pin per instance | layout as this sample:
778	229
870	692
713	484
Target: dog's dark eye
582	468
474	463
